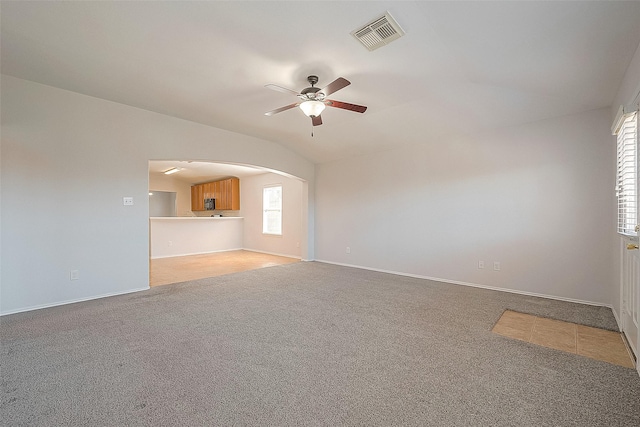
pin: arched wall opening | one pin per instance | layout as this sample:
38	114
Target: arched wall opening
180	236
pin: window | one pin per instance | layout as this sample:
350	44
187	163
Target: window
272	210
627	173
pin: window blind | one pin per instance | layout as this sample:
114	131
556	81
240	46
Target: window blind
627	173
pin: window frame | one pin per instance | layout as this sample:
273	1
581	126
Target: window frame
626	131
265	220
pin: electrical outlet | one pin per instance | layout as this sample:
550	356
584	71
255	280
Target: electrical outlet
297	244
480	265
74	275
127	201
348	250
496	265
170	243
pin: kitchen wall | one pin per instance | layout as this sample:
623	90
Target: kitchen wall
162	182
67	162
536	198
251	209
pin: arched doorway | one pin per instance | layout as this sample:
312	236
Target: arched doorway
197	243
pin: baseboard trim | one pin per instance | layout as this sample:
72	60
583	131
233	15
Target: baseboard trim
72	301
417	276
272	253
474	285
197	253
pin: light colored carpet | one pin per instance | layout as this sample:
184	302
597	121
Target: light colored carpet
304	344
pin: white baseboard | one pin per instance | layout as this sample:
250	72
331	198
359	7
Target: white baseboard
473	285
272	253
197	253
55	304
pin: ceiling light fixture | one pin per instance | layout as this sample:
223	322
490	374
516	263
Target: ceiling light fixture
312	108
172	170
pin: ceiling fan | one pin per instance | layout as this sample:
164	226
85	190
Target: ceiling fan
313	100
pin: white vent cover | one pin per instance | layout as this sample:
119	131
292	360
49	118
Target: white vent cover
379	32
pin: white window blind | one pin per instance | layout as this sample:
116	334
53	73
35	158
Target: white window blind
627	174
272	210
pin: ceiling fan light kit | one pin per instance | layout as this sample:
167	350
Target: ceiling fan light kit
312	108
314	100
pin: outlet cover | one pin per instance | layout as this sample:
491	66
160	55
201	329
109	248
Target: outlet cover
74	275
127	201
496	266
480	265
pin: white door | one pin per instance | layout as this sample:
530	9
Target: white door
628	186
631	293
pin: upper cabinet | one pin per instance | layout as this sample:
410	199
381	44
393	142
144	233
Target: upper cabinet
225	191
197	198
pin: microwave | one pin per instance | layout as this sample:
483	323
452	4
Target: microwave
209	204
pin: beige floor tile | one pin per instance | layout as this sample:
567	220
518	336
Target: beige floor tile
599	344
554	334
515	325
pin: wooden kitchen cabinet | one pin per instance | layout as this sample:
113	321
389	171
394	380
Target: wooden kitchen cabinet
234	193
216	194
225	191
208	190
197	197
224	195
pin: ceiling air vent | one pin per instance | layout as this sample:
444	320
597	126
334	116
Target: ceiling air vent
379	32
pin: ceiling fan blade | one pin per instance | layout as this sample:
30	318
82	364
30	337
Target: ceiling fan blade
281	89
316	121
335	86
281	109
345	106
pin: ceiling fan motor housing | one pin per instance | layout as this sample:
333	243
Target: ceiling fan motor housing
311	93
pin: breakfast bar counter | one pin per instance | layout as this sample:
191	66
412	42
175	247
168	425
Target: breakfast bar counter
178	236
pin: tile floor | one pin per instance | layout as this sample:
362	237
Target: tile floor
600	344
163	271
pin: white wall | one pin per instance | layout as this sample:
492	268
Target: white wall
67	162
628	90
251	209
537	198
162	203
162	182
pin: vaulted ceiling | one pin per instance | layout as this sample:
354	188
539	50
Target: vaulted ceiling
461	67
